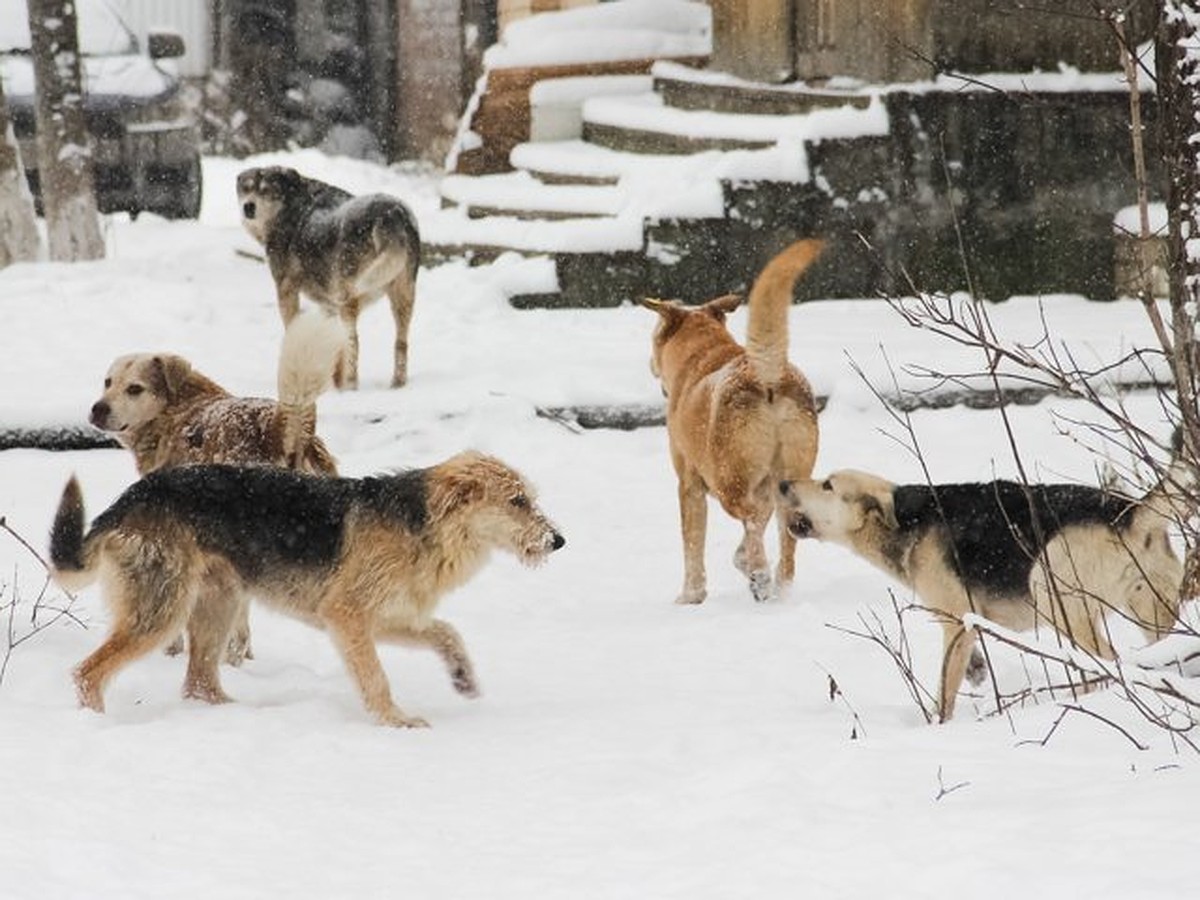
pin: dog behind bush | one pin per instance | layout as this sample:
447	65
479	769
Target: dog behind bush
1058	556
365	559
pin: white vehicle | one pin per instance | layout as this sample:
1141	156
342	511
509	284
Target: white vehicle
145	142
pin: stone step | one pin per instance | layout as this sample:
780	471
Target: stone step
645	124
451	234
521	196
686	88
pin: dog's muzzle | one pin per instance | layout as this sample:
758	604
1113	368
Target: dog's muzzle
799	525
249	209
99	414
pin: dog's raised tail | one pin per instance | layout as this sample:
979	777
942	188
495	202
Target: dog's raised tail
312	344
770	298
70	568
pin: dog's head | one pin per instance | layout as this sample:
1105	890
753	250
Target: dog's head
678	324
495	504
262	193
839	507
137	388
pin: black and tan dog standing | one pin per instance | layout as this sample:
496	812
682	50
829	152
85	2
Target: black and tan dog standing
339	250
365	559
739	419
1055	556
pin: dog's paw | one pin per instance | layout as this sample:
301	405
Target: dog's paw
691	596
762	587
396	718
464	682
237	651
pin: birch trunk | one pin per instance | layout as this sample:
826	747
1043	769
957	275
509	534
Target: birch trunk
19	238
64	148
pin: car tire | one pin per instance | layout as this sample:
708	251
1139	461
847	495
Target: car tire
184	200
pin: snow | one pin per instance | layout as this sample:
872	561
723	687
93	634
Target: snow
627	29
623	746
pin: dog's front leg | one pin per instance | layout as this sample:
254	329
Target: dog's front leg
346	374
444	640
693	516
957	646
352	636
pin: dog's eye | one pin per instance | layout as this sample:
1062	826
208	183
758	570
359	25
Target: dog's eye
520	501
107	383
134	390
827	485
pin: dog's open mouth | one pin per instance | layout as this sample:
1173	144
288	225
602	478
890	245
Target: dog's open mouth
248	209
800	525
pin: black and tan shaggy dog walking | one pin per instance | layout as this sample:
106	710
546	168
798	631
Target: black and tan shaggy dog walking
366	559
1058	556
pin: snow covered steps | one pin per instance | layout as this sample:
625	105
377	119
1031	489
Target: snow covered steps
522	196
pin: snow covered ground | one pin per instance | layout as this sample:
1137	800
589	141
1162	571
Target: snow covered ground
624	747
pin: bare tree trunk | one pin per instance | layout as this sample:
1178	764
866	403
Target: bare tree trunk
262	49
1178	62
19	238
64	150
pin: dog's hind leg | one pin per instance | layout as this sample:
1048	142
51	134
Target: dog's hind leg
153	605
402	294
785	571
750	558
352	636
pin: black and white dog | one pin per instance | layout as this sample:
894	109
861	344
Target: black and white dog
1056	555
339	250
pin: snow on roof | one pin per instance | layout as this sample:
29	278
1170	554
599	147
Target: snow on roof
626	29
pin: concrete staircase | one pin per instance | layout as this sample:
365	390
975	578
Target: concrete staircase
665	192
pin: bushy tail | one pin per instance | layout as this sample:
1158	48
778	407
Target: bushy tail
311	346
770	298
72	569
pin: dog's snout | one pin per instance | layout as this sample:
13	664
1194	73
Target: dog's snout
248	209
100	412
557	542
800	525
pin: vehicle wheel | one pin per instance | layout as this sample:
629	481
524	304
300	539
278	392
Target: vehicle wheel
184	199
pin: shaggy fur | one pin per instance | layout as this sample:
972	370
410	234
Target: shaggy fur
365	559
339	250
1057	555
738	419
169	415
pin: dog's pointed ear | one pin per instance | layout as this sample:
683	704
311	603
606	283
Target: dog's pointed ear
883	506
722	306
668	309
171	374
